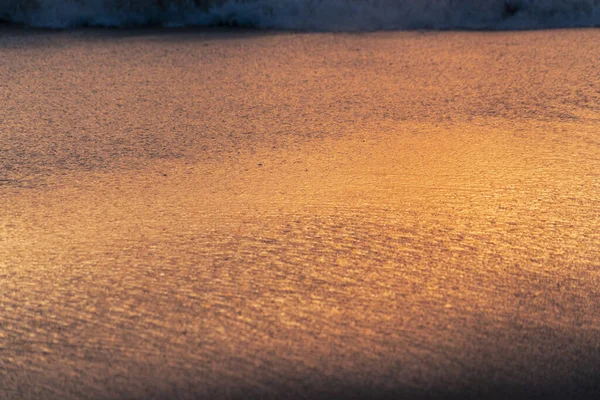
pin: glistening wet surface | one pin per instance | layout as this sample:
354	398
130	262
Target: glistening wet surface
291	216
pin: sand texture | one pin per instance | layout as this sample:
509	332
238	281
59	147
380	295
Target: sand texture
233	214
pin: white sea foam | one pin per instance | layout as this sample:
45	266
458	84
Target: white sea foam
320	15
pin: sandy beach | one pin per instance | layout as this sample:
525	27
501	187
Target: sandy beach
258	214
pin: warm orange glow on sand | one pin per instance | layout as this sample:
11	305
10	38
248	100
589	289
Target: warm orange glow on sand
373	254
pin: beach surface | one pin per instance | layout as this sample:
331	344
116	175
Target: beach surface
252	214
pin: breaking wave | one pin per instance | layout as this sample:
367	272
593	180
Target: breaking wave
315	15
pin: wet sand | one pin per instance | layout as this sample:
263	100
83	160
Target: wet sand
233	214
